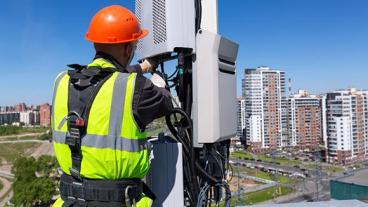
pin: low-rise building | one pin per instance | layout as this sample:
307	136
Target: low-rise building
29	118
9	118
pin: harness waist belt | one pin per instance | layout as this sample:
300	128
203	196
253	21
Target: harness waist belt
100	190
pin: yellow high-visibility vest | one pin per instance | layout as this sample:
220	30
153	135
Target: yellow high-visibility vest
113	147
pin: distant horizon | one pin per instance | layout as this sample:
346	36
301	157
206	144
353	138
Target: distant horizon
27	104
294	91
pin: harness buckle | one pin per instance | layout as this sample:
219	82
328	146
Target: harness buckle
73	137
78	190
79	122
75	174
129	202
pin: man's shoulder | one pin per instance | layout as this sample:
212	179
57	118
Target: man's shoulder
61	75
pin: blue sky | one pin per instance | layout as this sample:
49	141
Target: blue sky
321	44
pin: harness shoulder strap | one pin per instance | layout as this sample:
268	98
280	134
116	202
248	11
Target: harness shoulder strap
83	88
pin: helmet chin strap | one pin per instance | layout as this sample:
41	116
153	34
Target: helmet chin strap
131	56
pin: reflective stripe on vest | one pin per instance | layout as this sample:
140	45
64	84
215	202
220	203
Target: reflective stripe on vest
113	147
98	141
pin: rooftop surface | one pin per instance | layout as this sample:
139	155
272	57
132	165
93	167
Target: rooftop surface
331	203
359	177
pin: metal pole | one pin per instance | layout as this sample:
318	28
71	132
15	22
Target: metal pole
238	200
318	173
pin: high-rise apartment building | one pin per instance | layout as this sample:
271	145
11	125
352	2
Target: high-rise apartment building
264	93
241	117
21	107
304	114
45	113
347	124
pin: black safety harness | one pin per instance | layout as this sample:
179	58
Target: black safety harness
84	85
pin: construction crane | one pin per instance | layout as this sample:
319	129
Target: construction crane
191	166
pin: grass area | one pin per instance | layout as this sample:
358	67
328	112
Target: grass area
11	151
334	169
280	160
265	175
328	169
311	166
41	137
262	195
257	173
1	185
13	130
241	155
286	180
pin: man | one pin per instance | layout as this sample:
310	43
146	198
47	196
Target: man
100	112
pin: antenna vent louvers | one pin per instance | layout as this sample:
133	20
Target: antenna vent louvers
159	21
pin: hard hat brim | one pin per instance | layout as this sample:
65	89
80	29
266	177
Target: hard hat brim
144	33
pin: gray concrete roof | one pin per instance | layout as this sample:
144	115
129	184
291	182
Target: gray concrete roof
331	203
359	177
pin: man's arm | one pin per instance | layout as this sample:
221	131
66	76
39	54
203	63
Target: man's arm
149	101
134	68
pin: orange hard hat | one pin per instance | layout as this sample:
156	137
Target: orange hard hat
114	24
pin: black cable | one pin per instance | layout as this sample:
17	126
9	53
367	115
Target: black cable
173	85
162	66
187	149
186	121
198	6
209	177
232	172
195	175
174	73
171	126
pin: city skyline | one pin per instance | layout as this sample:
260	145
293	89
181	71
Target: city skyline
21	114
334	122
321	45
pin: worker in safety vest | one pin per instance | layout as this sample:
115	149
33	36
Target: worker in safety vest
99	115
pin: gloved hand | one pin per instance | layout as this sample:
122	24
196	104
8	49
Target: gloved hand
148	65
158	81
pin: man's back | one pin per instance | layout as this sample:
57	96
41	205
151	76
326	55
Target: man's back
108	151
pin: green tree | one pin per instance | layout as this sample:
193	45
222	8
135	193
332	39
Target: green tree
24	168
46	164
37	191
32	183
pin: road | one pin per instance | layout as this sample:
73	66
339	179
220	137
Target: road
45	148
6	187
6	174
21	135
7	198
285	168
22	141
306	190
